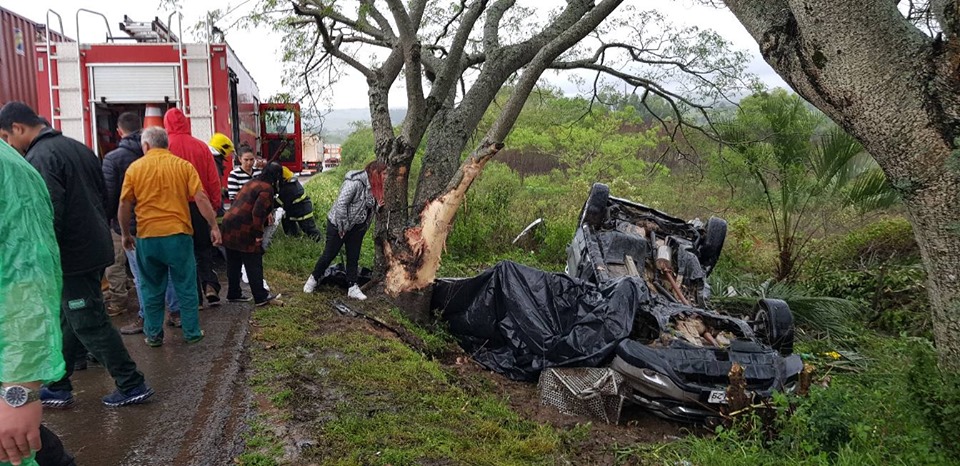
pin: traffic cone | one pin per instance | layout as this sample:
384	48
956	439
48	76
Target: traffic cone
152	116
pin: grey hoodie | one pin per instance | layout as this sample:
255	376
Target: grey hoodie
355	204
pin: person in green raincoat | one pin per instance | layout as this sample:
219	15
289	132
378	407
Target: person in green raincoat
30	338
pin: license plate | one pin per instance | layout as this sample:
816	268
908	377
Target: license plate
717	396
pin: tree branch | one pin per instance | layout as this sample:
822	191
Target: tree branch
491	28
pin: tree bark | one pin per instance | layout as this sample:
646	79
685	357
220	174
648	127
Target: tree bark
897	91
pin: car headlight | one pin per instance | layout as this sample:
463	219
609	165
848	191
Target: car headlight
654	377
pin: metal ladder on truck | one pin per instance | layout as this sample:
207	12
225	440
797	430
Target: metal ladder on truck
65	86
196	88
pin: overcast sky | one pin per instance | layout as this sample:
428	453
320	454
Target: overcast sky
259	49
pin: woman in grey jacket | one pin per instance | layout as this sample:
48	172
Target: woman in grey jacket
347	222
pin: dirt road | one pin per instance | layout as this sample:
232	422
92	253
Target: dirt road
195	417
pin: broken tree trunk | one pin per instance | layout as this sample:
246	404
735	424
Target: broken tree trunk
412	260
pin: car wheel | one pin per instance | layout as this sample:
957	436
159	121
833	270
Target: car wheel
773	325
712	243
595	209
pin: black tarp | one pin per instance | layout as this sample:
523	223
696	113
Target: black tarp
336	275
517	320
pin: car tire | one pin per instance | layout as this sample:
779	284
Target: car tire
773	325
595	209
715	233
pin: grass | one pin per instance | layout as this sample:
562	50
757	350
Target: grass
339	391
364	397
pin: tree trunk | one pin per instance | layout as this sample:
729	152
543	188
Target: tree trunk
413	258
897	91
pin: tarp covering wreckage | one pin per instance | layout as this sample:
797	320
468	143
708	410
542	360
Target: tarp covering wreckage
517	320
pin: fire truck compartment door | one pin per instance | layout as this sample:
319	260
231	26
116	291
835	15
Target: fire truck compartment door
135	83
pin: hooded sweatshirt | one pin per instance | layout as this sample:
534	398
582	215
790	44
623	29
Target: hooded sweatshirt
195	151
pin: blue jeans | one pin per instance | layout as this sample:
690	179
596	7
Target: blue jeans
171	296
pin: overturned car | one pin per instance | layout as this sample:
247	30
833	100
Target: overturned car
634	298
678	357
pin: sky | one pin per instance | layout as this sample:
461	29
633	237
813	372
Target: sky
259	49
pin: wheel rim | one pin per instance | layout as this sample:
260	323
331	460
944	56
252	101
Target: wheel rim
761	326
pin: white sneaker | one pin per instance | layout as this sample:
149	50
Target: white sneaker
355	293
310	285
265	286
243	274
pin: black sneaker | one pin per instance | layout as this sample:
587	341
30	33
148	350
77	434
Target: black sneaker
131	397
174	321
55	399
241	299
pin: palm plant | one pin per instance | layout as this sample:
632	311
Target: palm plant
820	314
772	140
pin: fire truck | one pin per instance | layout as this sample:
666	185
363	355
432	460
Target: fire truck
84	87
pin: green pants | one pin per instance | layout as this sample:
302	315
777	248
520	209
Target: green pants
158	258
85	323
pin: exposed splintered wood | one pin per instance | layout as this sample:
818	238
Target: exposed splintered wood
737	398
412	267
806	379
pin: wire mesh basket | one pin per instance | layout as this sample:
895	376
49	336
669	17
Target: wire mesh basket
594	392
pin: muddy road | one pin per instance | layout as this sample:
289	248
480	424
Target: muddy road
195	417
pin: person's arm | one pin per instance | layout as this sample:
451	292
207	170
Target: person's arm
124	215
111	179
20	427
30	285
209	214
233	186
262	208
341	208
50	170
211	183
124	211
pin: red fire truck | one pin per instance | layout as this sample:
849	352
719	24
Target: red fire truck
84	87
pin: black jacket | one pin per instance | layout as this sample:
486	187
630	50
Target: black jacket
115	165
73	177
294	200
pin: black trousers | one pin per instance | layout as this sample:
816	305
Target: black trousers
254	265
353	240
203	251
52	452
84	323
307	226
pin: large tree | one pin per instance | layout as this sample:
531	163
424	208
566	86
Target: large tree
889	74
454	57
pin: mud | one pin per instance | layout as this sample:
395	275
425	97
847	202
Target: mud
196	416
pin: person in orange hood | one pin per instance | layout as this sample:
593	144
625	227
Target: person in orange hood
184	145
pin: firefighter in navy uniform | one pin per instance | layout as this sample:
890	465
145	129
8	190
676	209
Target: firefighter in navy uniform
297	206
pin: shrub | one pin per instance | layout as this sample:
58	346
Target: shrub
878	267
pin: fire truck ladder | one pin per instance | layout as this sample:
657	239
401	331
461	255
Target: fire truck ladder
196	90
65	85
